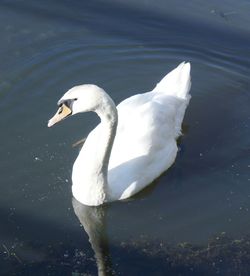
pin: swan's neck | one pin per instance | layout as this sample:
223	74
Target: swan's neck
90	171
106	138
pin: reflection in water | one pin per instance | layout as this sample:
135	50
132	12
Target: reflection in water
93	220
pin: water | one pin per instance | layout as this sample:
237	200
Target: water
46	48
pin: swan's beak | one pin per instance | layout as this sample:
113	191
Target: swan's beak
61	113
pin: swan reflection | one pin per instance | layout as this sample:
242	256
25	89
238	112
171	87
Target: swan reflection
93	221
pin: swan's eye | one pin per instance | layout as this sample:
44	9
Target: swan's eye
68	103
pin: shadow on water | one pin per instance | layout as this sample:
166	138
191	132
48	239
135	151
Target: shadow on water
221	255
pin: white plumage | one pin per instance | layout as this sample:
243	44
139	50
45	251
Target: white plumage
119	160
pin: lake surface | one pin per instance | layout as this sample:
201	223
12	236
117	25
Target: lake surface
203	200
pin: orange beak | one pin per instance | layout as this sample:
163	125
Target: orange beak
61	113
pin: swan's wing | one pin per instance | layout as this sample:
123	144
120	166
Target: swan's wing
145	144
148	125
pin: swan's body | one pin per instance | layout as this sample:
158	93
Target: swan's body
134	143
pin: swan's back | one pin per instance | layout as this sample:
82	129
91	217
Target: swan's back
148	125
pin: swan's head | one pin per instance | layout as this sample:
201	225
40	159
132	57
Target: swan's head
82	98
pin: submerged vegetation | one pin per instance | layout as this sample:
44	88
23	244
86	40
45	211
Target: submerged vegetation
222	255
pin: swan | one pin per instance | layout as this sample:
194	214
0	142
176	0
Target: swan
135	141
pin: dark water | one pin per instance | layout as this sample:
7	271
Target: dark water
202	201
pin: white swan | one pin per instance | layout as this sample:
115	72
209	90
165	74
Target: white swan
134	143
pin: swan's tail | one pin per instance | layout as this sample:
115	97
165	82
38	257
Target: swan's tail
176	83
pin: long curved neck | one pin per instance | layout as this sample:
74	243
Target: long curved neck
108	128
90	171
